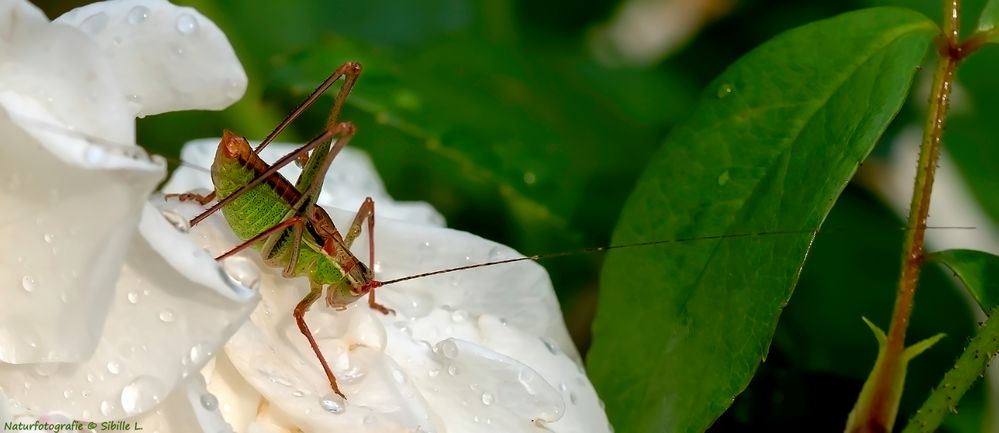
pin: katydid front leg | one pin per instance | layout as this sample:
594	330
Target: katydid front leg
314	292
367	212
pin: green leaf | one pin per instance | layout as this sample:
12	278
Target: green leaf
977	270
771	145
987	21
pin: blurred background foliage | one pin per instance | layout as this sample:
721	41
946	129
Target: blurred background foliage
523	122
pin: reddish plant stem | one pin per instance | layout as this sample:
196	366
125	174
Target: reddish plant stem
951	52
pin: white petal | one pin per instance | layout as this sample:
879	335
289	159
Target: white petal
66	261
168	316
166	57
351	178
64	71
190	408
519	293
239	401
474	388
583	409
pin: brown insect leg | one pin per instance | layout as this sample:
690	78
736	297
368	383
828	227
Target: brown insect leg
190	196
350	70
263	235
367	212
300	310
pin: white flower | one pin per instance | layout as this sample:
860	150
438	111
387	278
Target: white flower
475	351
107	308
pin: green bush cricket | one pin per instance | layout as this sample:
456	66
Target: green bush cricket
283	221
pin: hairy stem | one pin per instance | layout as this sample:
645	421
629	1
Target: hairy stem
912	253
968	368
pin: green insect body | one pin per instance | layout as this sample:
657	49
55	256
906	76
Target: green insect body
266	205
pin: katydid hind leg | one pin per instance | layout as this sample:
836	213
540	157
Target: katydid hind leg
266	234
300	309
350	70
310	182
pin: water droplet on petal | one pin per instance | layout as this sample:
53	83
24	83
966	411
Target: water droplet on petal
137	14
177	221
572	397
552	348
67	394
28	283
133	297
332	403
448	348
199	353
433	372
187	24
48	238
351	375
297	393
398	376
94	155
459	315
94	23
526	376
452	370
139	395
209	401
487	398
106	408
166	316
114	367
242	271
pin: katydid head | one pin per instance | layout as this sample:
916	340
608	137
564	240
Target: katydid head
339	296
233	146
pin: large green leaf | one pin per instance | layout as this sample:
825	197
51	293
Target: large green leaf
978	271
989	18
771	145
